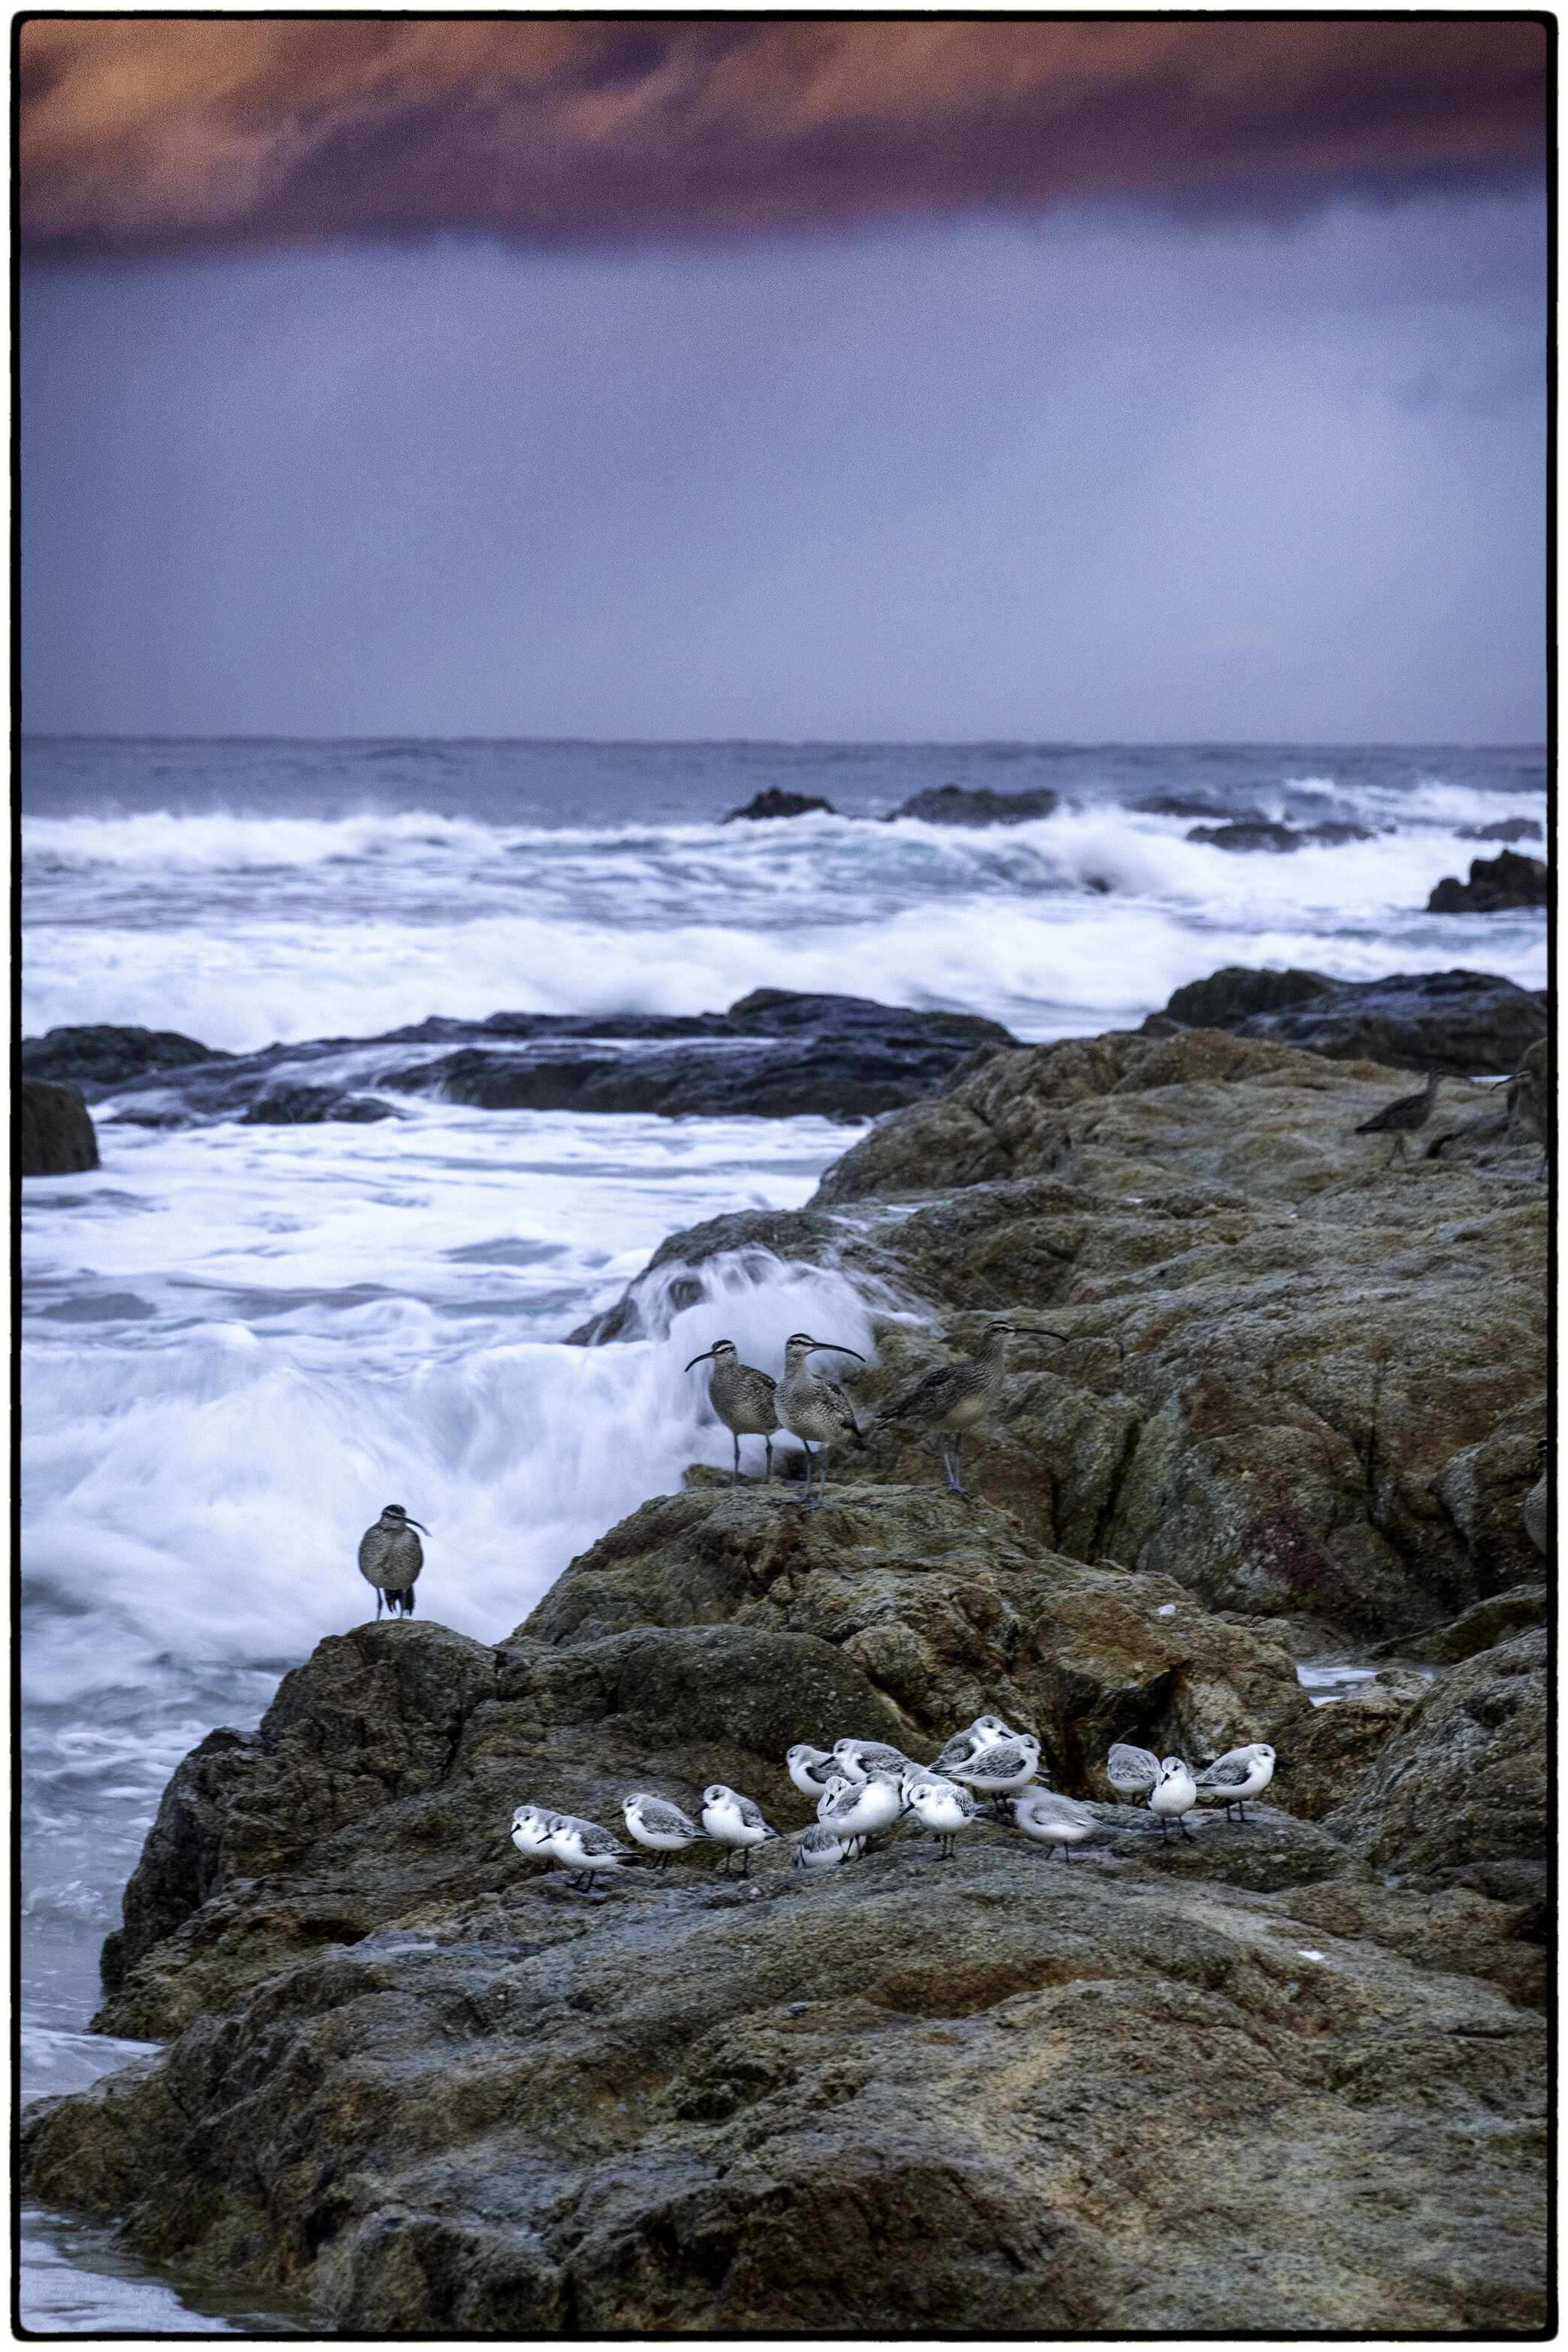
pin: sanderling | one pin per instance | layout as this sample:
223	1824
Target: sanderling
1133	1771
981	1733
530	1828
863	1808
1239	1773
735	1824
944	1808
1169	1786
1054	1821
1003	1767
810	1769
662	1827
818	1848
858	1758
585	1848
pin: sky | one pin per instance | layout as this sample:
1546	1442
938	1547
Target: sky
1063	381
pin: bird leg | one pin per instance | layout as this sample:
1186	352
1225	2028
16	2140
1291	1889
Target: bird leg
745	1862
379	1597
1186	1833
769	1444
1398	1152
806	1451
954	1467
735	1472
1164	1831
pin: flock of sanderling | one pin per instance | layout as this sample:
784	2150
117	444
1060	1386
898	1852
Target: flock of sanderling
863	1786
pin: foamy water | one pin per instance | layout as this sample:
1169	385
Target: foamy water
240	1342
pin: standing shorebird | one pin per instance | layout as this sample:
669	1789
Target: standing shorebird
389	1557
1402	1118
812	1408
743	1399
1168	1785
953	1397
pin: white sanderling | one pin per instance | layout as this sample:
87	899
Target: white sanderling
858	1758
1169	1786
530	1828
981	1733
585	1848
1054	1821
1003	1767
819	1848
863	1808
1239	1773
810	1769
662	1827
735	1824
943	1808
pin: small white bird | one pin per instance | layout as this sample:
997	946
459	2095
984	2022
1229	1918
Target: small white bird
982	1732
858	1758
530	1828
1239	1773
585	1848
1174	1794
662	1827
818	1848
735	1824
1002	1768
863	1807
944	1809
1053	1821
1131	1772
810	1769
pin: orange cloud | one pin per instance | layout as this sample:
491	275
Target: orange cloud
141	133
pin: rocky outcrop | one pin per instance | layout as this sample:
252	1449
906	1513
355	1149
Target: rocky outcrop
1503	828
775	1055
1496	884
56	1136
425	2084
1247	835
959	804
774	802
1464	1022
102	1058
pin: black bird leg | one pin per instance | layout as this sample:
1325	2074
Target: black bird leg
769	1444
735	1472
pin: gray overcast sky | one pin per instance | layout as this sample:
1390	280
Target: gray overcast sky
1094	477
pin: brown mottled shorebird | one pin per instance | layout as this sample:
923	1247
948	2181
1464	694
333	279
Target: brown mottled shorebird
954	1397
389	1557
812	1408
1402	1118
743	1399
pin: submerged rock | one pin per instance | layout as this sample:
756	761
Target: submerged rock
54	1131
774	802
959	804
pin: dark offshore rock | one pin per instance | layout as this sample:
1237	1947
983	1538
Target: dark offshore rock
966	2096
1176	805
1505	828
773	803
775	1055
1262	833
959	804
1230	996
1465	1023
1496	885
105	1056
56	1131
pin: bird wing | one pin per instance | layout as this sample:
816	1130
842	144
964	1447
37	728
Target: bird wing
958	1751
999	1762
922	1396
1131	1767
668	1820
751	1814
1225	1772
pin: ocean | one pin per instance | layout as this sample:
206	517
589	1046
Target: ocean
239	1341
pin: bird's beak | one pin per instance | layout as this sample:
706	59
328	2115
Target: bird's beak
702	1359
417	1523
1026	1331
838	1350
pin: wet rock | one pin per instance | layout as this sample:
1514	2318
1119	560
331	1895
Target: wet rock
1459	1931
1496	885
1464	1022
1268	1850
1538	1513
1484	1488
1505	828
103	1057
1232	995
774	802
955	804
1333	1752
1280	839
1480	1628
56	1136
1463	1779
1176	805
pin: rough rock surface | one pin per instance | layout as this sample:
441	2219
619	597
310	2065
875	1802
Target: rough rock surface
1262	833
56	1132
104	1056
1464	1022
1299	1385
775	1055
1495	885
774	802
426	2084
958	804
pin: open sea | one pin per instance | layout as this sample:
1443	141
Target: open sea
238	1341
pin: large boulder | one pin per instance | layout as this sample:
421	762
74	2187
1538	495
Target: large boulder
57	1136
1496	885
103	1057
960	804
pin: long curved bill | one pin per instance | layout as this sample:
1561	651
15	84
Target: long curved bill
702	1359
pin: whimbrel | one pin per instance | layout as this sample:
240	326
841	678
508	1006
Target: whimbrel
1239	1773
742	1398
389	1557
953	1397
812	1408
1402	1118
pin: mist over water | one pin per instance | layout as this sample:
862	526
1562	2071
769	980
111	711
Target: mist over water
240	1341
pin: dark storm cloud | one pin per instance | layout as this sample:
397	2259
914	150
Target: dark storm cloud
146	134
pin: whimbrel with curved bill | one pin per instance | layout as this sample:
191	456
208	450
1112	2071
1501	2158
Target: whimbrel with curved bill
953	1397
743	1399
389	1557
1402	1118
812	1409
